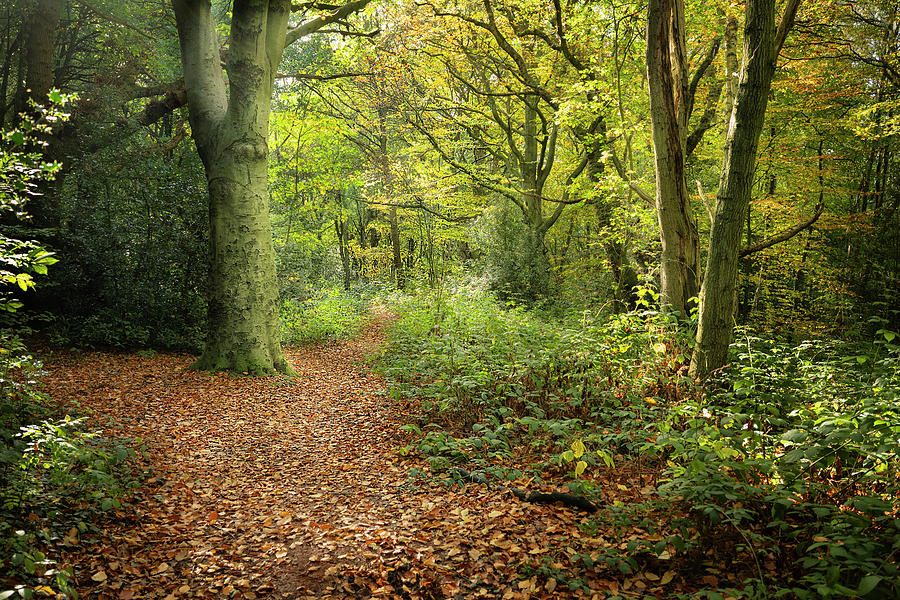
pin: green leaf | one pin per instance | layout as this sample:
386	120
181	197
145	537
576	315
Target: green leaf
794	435
580	466
869	582
55	96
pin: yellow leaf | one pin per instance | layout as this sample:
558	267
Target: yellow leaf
45	589
99	576
667	577
578	448
580	467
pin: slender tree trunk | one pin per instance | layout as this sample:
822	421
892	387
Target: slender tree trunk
341	230
669	109
717	296
387	186
396	254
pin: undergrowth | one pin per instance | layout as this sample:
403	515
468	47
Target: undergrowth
786	466
57	477
329	313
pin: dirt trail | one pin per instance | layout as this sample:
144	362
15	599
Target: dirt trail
275	488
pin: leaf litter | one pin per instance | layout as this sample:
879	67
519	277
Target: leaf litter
293	488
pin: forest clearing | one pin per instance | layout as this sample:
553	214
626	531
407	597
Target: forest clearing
449	299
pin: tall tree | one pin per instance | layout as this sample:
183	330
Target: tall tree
762	44
672	92
503	101
230	128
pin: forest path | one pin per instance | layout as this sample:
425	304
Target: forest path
276	488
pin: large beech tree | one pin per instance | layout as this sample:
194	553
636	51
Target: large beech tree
230	125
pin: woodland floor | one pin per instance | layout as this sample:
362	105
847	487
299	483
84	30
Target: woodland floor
276	488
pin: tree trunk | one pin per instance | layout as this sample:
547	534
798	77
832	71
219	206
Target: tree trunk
245	330
717	296
342	231
230	129
396	254
669	110
40	44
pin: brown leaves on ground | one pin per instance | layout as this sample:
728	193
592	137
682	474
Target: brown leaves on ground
275	488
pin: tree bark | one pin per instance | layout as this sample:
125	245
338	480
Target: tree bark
40	44
230	128
717	297
231	132
670	104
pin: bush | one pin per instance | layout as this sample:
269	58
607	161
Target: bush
54	474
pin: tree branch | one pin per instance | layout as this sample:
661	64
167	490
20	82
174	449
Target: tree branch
787	22
784	235
202	65
698	74
322	77
158	108
637	189
115	20
317	23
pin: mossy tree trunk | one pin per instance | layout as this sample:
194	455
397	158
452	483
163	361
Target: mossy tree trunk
230	126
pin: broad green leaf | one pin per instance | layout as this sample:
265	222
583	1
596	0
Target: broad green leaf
868	583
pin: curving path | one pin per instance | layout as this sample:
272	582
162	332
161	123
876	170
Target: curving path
274	488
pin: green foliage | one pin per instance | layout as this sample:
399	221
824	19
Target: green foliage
515	258
134	256
505	372
789	460
330	313
799	453
22	169
54	474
